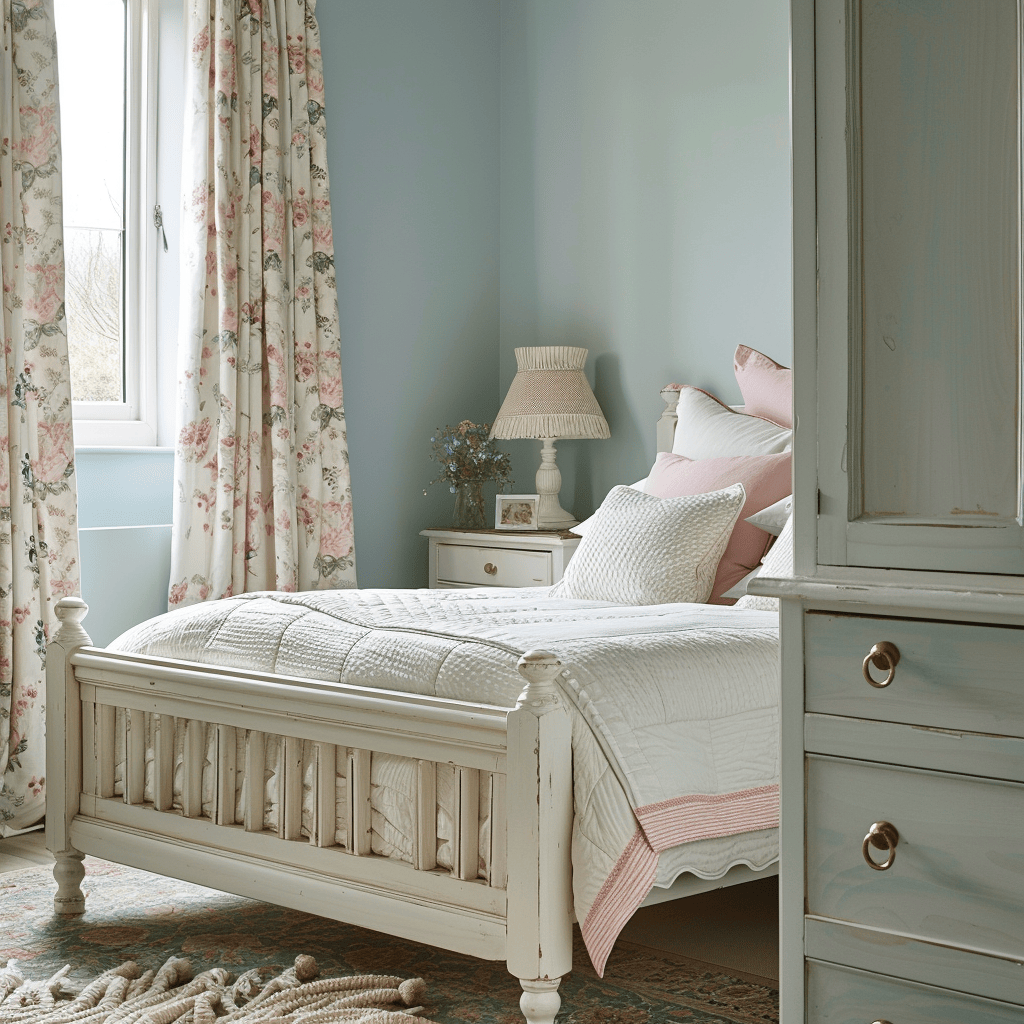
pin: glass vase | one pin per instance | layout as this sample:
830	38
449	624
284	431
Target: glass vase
469	505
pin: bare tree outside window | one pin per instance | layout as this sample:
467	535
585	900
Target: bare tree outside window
93	287
91	41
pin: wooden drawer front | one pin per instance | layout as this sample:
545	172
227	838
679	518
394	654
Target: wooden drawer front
950	675
843	996
463	563
958	873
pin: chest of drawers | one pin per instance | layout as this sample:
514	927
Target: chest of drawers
497	558
902	812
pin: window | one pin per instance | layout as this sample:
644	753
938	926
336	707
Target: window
106	52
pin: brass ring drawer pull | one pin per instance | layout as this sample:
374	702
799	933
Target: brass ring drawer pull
882	836
885	657
491	569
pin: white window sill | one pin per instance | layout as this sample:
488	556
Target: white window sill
114	434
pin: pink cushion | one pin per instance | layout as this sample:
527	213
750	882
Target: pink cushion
765	478
767	387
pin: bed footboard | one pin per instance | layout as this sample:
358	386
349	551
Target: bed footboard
167	766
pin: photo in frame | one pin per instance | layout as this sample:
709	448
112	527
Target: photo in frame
516	511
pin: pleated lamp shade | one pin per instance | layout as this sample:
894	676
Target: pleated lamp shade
550	397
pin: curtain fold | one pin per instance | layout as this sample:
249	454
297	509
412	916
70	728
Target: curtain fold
38	500
262	493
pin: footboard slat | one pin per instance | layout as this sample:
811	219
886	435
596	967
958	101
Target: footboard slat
466	830
89	780
325	808
192	769
497	868
255	755
104	748
425	847
290	813
224	792
163	763
359	817
135	766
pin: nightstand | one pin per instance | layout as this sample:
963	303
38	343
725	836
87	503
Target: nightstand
497	558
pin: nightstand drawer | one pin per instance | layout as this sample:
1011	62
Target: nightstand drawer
838	995
949	675
492	567
957	871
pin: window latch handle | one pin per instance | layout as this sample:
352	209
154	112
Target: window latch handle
158	220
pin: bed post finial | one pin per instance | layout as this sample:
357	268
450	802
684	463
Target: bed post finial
539	798
70	611
539	669
64	753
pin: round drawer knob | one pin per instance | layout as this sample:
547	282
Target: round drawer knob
885	657
879	1022
882	836
491	569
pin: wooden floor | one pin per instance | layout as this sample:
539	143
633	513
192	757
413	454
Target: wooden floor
734	929
25	851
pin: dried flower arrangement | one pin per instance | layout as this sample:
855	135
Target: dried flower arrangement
466	453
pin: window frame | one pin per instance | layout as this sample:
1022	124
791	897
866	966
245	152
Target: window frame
133	423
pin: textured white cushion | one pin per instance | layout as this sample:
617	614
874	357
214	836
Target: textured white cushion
642	550
773	519
580	529
708	429
778	562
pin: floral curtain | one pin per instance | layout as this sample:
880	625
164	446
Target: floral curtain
262	494
38	519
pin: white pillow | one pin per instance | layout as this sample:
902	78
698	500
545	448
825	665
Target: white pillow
708	429
778	562
642	550
580	529
773	518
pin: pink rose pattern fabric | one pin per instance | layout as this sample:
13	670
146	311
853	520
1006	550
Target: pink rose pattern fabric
38	500
262	492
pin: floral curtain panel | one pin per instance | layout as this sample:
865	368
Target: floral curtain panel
38	520
262	494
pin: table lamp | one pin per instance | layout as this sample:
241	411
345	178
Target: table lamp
550	398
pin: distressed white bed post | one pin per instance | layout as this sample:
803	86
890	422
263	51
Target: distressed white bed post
667	423
64	759
539	795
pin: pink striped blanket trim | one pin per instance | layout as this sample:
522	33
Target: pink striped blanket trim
663	825
623	891
684	819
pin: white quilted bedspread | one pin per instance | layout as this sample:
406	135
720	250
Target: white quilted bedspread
674	707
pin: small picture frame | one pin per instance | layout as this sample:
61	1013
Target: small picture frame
516	511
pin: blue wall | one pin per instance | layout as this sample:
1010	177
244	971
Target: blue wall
412	129
645	205
124	515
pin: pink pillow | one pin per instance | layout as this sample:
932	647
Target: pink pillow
767	387
765	478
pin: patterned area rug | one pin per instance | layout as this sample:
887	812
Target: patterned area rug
147	918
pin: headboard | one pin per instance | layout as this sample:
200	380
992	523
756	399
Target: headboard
667	422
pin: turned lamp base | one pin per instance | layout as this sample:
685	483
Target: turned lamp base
550	514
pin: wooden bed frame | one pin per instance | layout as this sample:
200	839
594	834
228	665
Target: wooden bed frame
517	764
